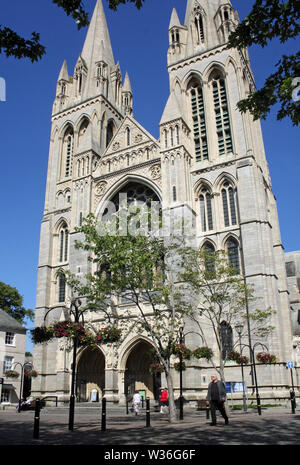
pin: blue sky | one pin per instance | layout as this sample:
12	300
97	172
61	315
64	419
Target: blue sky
140	41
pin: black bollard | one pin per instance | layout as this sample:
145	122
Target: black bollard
36	426
103	422
293	401
207	412
147	412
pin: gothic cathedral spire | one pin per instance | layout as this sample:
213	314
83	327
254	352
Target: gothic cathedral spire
207	25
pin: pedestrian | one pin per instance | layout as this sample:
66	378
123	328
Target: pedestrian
216	396
136	400
163	399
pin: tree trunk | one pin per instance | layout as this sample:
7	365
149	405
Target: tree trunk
172	406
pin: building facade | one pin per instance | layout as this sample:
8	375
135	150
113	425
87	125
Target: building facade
209	158
12	356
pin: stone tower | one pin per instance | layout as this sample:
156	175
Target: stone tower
209	158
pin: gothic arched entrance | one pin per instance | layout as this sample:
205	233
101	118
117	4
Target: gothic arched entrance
137	374
90	379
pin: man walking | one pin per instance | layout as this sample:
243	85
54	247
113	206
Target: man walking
216	396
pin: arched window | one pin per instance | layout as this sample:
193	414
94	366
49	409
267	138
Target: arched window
229	204
68	142
205	199
209	259
174	194
110	131
221	114
61	288
233	253
226	339
127	136
166	138
82	130
199	29
63	243
199	123
140	195
172	136
177	134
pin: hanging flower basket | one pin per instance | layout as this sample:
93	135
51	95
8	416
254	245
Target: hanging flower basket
181	349
264	357
68	329
41	334
238	358
107	335
203	352
177	366
31	373
12	374
156	368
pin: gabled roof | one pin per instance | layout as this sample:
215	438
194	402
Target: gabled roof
135	129
8	323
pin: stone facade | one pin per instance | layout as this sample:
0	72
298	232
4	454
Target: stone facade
209	158
12	356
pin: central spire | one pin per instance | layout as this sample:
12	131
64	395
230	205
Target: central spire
97	45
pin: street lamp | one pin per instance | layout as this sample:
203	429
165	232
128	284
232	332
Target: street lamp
77	314
180	376
29	364
181	341
252	349
239	329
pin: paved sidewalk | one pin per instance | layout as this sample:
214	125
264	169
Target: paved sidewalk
276	426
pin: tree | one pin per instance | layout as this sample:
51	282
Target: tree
270	19
221	297
12	44
134	268
12	303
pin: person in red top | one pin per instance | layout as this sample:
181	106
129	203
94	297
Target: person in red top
163	399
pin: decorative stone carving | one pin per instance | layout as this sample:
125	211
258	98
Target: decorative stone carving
116	146
138	138
100	188
155	172
112	356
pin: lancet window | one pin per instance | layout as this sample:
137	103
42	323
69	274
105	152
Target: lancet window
206	214
229	204
233	253
223	128
199	123
68	144
63	243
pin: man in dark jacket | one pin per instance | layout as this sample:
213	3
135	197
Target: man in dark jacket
216	397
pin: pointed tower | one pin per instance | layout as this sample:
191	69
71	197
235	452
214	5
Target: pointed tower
89	107
219	164
127	96
207	24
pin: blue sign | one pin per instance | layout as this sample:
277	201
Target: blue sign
290	364
228	387
235	386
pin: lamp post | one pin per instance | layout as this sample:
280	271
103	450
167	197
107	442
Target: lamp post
29	364
239	329
252	349
77	314
181	339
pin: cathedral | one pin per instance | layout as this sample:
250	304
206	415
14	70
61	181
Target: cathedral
209	158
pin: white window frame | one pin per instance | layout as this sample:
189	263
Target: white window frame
7	364
10	338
